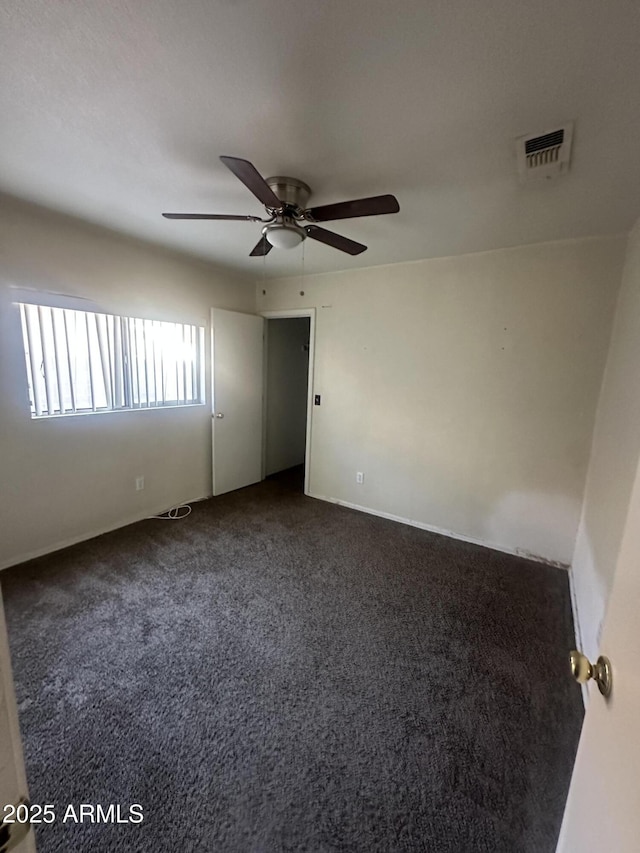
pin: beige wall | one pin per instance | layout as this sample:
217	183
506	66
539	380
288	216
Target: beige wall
614	458
286	410
464	388
67	478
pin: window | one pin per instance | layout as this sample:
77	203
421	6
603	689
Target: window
80	361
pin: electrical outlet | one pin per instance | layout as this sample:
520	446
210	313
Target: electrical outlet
359	477
139	484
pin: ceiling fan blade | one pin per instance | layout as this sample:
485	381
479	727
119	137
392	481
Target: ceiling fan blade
262	247
253	180
210	216
373	206
337	241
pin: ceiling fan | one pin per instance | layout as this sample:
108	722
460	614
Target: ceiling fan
285	200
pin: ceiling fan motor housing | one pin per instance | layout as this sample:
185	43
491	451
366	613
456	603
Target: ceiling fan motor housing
285	233
290	191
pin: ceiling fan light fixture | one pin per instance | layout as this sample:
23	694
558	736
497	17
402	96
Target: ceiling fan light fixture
283	236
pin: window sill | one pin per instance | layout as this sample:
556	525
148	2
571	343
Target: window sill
59	416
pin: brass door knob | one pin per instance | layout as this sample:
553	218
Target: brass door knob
582	670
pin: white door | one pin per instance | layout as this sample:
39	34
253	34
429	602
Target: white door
13	782
237	351
603	808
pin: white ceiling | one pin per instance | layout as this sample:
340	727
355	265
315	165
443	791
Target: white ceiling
115	111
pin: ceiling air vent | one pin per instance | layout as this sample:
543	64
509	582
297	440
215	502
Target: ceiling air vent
544	155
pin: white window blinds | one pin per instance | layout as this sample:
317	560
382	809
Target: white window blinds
80	361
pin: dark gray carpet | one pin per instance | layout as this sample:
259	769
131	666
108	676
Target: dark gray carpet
276	673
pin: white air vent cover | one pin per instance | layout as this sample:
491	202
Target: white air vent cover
544	155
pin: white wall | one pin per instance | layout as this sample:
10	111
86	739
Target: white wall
63	479
614	459
465	388
287	372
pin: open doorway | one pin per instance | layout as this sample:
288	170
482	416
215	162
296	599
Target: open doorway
288	357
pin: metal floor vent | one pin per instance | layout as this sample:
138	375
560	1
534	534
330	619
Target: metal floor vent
544	156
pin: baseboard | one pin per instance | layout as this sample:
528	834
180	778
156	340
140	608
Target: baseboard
83	537
505	549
